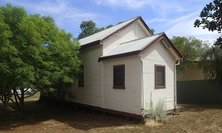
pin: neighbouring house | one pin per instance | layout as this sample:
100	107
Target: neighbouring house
126	69
192	73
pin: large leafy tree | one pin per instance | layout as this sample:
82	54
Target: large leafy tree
191	49
211	18
89	28
34	53
211	62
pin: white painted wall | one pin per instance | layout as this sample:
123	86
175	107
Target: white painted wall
101	94
158	55
98	76
192	73
132	32
128	99
91	93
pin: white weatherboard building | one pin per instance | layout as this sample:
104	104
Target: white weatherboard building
126	69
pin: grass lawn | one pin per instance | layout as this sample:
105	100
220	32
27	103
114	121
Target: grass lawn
41	117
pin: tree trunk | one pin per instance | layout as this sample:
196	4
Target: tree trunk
16	96
5	96
22	103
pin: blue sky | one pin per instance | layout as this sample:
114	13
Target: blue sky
174	17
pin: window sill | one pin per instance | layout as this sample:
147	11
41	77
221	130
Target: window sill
118	87
160	87
81	86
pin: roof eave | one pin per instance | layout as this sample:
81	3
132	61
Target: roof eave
119	55
146	26
95	43
173	47
163	37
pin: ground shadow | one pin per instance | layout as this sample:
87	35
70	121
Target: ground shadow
37	113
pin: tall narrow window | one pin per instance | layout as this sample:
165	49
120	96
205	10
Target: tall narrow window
81	76
160	76
119	77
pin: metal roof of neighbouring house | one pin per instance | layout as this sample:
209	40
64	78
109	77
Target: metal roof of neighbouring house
98	37
139	45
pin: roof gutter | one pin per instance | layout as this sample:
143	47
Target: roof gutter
119	55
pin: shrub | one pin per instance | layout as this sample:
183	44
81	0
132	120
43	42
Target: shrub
156	116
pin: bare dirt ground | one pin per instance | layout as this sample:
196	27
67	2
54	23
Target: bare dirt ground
46	118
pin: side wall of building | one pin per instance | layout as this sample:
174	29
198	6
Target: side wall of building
91	93
128	99
158	55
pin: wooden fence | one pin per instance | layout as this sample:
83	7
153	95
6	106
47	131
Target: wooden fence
199	91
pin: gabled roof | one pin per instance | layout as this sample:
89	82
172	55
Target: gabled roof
140	45
101	36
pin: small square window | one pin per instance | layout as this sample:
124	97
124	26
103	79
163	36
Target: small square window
160	76
119	77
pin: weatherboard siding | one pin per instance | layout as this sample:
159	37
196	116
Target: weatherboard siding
91	93
128	99
132	32
158	55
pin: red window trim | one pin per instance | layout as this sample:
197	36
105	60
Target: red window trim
119	87
155	69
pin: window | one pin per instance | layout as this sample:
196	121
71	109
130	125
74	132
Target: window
119	77
160	76
81	76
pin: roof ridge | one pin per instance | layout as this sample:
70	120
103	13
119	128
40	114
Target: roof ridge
142	38
112	27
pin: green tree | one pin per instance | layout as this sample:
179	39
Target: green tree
191	49
152	30
88	28
120	22
211	62
34	53
211	18
108	26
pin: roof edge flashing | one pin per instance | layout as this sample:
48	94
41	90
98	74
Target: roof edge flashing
95	43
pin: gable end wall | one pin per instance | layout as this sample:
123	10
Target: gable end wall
158	55
132	32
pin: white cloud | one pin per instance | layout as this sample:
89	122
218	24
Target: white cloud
166	7
64	13
184	26
59	9
161	7
132	4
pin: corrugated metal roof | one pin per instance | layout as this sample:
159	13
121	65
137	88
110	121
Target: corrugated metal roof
103	34
131	46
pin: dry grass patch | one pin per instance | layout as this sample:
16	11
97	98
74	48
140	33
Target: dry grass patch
48	118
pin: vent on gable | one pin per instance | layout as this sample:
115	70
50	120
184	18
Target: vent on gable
165	44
